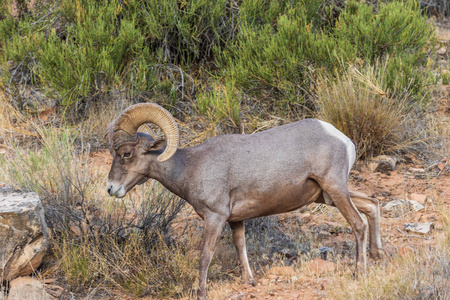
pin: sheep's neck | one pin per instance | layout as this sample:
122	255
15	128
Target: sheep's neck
173	173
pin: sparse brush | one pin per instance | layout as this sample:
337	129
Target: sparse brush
359	104
95	238
440	8
167	269
422	274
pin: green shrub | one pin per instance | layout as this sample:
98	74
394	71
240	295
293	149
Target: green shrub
220	102
278	56
398	32
79	49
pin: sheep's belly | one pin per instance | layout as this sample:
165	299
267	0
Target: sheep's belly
273	200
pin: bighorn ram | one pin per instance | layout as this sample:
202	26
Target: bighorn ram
232	178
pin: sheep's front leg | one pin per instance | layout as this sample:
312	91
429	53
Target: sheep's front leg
214	224
238	229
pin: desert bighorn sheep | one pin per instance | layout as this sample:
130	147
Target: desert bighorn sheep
232	178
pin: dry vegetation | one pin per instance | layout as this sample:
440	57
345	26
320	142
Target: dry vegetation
147	244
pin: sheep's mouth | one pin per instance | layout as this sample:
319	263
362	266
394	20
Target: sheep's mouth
119	192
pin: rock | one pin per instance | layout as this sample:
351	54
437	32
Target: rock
319	266
422	228
23	234
385	164
442	50
28	288
421	198
396	208
416	206
400	207
417	170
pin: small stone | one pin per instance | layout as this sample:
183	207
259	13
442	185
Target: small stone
422	228
441	166
372	166
75	229
421	198
442	50
385	164
416	205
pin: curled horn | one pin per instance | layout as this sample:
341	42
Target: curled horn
125	127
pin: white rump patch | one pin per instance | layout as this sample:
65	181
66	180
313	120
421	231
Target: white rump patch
333	131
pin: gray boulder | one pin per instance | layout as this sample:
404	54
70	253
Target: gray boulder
23	234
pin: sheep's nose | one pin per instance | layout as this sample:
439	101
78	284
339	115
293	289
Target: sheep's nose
109	188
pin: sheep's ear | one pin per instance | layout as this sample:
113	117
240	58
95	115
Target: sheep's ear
154	145
158	145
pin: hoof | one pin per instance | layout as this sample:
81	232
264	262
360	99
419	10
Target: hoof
377	254
249	281
201	295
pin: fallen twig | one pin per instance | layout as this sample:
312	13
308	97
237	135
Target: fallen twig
412	236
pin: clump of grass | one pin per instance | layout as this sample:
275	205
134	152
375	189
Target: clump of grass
129	266
221	102
359	104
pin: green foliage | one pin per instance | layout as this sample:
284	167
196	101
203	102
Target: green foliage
278	57
80	49
220	102
397	31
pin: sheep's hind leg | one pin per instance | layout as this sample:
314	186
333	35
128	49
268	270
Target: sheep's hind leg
369	207
238	229
341	198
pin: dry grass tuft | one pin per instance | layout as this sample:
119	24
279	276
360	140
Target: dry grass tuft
358	104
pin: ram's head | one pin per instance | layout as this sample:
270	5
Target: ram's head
133	152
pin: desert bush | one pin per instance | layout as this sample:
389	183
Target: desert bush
79	49
420	274
129	266
398	32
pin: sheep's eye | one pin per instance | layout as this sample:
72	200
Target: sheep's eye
127	155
